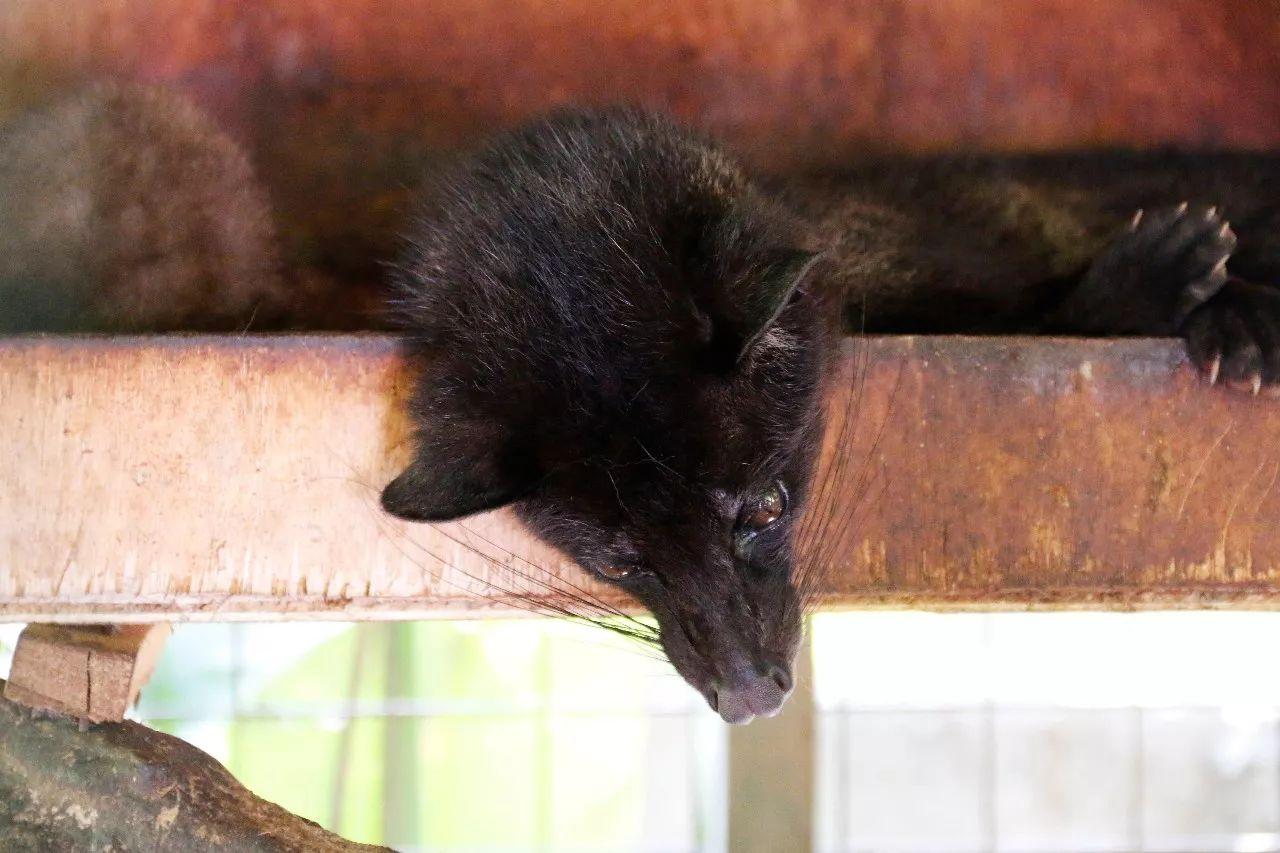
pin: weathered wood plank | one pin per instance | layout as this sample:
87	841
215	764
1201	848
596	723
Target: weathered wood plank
220	478
197	478
1051	472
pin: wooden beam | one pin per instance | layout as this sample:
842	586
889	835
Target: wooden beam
203	478
93	672
340	102
809	82
223	478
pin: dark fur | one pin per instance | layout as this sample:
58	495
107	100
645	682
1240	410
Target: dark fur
1039	243
593	302
582	296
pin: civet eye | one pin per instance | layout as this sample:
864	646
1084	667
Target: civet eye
765	508
616	572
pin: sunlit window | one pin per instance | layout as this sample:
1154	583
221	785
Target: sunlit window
1047	732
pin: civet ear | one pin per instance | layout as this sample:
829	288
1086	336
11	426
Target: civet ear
761	296
745	304
443	487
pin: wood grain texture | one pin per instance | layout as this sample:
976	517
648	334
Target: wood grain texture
196	478
1003	472
224	477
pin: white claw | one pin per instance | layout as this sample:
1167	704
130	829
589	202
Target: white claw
1182	208
1219	267
1215	367
1137	219
1211	213
1257	384
1225	231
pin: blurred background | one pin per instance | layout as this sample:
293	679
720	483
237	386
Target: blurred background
933	732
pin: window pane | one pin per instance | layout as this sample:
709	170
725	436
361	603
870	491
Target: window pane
1047	731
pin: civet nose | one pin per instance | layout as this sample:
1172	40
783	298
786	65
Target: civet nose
782	678
747	695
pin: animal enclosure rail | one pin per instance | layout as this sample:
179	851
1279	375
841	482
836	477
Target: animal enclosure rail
199	478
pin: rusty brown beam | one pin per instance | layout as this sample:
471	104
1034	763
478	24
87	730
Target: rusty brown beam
806	80
198	478
338	103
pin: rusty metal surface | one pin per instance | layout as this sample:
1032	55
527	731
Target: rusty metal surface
340	101
222	478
